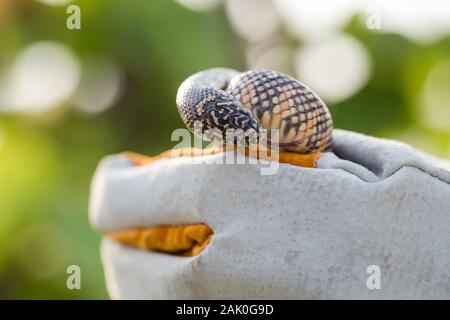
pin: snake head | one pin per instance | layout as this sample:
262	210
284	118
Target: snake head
216	115
225	118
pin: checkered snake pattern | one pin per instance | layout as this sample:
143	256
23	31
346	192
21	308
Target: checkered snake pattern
224	99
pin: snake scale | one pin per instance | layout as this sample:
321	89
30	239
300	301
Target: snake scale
224	100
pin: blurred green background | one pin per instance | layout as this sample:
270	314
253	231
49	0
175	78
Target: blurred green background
70	97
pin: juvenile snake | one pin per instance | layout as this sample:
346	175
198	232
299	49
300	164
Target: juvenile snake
224	99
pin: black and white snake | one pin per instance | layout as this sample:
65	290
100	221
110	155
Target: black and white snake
223	100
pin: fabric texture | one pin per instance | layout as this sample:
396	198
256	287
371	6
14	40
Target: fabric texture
302	233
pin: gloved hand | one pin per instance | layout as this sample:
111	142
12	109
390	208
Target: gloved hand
302	233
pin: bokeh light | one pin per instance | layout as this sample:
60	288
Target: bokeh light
336	68
253	20
312	20
435	106
101	85
275	57
43	75
419	20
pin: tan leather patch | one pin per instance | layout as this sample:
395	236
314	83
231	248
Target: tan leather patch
185	240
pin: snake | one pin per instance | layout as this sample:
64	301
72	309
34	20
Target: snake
222	100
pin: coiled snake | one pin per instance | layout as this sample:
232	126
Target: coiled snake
223	99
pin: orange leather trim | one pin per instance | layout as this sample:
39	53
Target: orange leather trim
296	159
188	240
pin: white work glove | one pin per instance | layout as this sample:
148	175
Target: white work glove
371	222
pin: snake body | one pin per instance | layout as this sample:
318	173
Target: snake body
223	99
